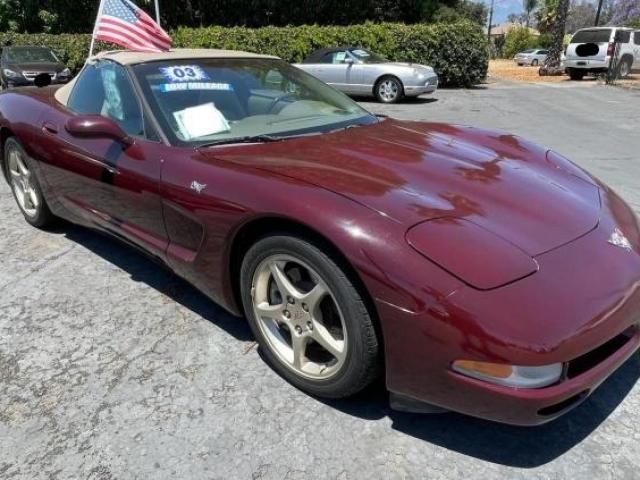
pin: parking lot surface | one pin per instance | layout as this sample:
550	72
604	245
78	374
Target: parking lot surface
112	368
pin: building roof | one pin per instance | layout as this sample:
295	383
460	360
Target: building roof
503	28
128	57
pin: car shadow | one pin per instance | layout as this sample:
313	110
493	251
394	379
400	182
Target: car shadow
523	447
142	268
405	101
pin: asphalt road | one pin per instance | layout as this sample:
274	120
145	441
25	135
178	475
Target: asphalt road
111	368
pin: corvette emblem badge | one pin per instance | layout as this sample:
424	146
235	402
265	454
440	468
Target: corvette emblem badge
198	187
618	239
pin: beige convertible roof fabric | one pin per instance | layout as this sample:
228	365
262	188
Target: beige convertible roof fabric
127	57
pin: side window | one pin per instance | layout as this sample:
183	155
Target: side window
543	52
87	95
624	37
334	57
105	89
636	37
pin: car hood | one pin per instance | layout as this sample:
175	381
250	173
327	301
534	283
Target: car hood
413	172
37	67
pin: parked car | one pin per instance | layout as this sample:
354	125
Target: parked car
19	66
532	57
357	71
591	51
481	273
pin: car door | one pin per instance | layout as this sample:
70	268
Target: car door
99	180
332	69
636	50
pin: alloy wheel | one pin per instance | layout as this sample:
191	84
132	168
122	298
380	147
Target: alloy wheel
625	69
22	183
388	90
299	317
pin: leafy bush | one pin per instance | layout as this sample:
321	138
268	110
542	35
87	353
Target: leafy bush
518	39
458	52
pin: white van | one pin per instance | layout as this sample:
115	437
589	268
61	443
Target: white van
591	50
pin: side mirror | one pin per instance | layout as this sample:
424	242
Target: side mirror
42	80
97	126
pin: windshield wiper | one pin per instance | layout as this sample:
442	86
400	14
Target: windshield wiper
247	139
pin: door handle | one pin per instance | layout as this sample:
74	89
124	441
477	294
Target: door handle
49	127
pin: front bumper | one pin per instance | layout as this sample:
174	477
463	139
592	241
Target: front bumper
585	295
24	82
430	85
523	61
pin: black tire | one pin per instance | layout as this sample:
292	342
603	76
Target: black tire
575	74
43	216
534	62
624	67
362	362
397	85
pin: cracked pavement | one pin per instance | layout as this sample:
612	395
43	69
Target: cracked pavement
112	368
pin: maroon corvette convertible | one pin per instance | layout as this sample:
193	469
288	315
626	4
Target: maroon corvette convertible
478	272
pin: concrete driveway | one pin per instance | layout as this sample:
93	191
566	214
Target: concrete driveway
111	368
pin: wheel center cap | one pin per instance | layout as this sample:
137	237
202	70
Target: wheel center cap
299	316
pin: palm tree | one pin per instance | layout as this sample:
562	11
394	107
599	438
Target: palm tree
557	33
529	6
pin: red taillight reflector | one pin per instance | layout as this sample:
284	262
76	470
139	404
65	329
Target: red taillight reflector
611	49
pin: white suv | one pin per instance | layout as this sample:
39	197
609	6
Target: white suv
591	50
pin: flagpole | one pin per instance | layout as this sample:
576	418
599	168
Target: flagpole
157	11
95	26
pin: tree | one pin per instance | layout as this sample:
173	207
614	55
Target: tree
73	16
519	18
529	7
557	31
626	12
580	15
518	39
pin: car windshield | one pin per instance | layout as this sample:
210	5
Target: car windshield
592	36
366	56
30	55
208	101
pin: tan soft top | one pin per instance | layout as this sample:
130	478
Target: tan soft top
127	57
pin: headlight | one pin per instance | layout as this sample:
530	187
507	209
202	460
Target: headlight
65	73
516	376
10	73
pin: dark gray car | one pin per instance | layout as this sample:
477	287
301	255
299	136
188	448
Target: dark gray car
19	66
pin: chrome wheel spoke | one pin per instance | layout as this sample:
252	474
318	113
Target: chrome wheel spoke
272	312
299	347
24	171
327	341
282	281
312	299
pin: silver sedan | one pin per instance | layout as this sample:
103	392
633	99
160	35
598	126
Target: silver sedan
356	71
533	57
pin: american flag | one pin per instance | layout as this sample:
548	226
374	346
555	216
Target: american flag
123	23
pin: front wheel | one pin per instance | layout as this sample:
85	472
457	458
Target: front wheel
25	186
534	63
309	319
389	90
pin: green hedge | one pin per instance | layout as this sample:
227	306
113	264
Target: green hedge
458	52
